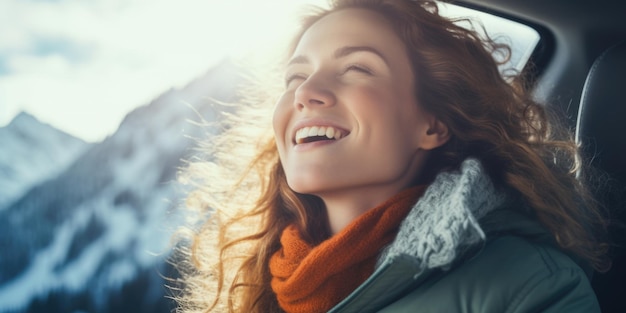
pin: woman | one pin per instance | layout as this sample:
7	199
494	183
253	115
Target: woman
404	174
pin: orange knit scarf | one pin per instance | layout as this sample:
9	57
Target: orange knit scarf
309	279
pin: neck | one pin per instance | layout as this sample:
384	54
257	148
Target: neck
344	207
346	204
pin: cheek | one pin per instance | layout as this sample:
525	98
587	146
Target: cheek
367	100
376	105
389	110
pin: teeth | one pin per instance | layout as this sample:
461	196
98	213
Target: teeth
314	131
330	132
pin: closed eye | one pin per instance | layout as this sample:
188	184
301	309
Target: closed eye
292	77
358	68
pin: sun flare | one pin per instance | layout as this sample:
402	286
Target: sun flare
91	62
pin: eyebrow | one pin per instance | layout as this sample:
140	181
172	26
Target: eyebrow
340	53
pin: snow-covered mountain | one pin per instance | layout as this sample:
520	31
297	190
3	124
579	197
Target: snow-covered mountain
31	152
95	237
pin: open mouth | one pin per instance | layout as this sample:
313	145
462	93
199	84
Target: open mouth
318	133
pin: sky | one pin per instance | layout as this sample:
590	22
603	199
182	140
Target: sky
82	65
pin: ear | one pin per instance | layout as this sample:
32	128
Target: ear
436	134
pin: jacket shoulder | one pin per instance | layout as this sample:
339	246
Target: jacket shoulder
510	274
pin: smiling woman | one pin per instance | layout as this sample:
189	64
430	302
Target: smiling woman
403	172
349	73
97	60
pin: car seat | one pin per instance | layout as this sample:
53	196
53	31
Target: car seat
601	129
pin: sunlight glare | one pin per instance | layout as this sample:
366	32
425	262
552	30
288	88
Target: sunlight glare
91	62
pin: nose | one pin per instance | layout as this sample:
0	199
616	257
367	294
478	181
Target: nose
314	92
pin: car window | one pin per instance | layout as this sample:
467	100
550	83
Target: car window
522	38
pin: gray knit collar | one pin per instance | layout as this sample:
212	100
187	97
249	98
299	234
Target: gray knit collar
444	222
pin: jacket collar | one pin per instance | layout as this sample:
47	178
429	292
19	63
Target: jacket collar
441	226
444	222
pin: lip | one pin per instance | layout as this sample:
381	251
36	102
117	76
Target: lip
315	122
312	145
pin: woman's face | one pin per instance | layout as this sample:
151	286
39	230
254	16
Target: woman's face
349	120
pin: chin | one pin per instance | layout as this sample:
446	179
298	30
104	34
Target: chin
306	186
303	189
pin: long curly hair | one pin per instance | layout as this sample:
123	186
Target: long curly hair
240	182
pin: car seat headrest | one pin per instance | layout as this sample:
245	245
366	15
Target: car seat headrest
601	124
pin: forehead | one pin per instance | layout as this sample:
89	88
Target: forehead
351	27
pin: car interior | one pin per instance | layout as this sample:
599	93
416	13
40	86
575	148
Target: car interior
580	67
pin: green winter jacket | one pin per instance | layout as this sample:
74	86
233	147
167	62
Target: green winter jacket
518	269
466	246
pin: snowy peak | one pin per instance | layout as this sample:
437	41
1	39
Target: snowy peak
29	128
194	101
103	225
30	152
22	119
